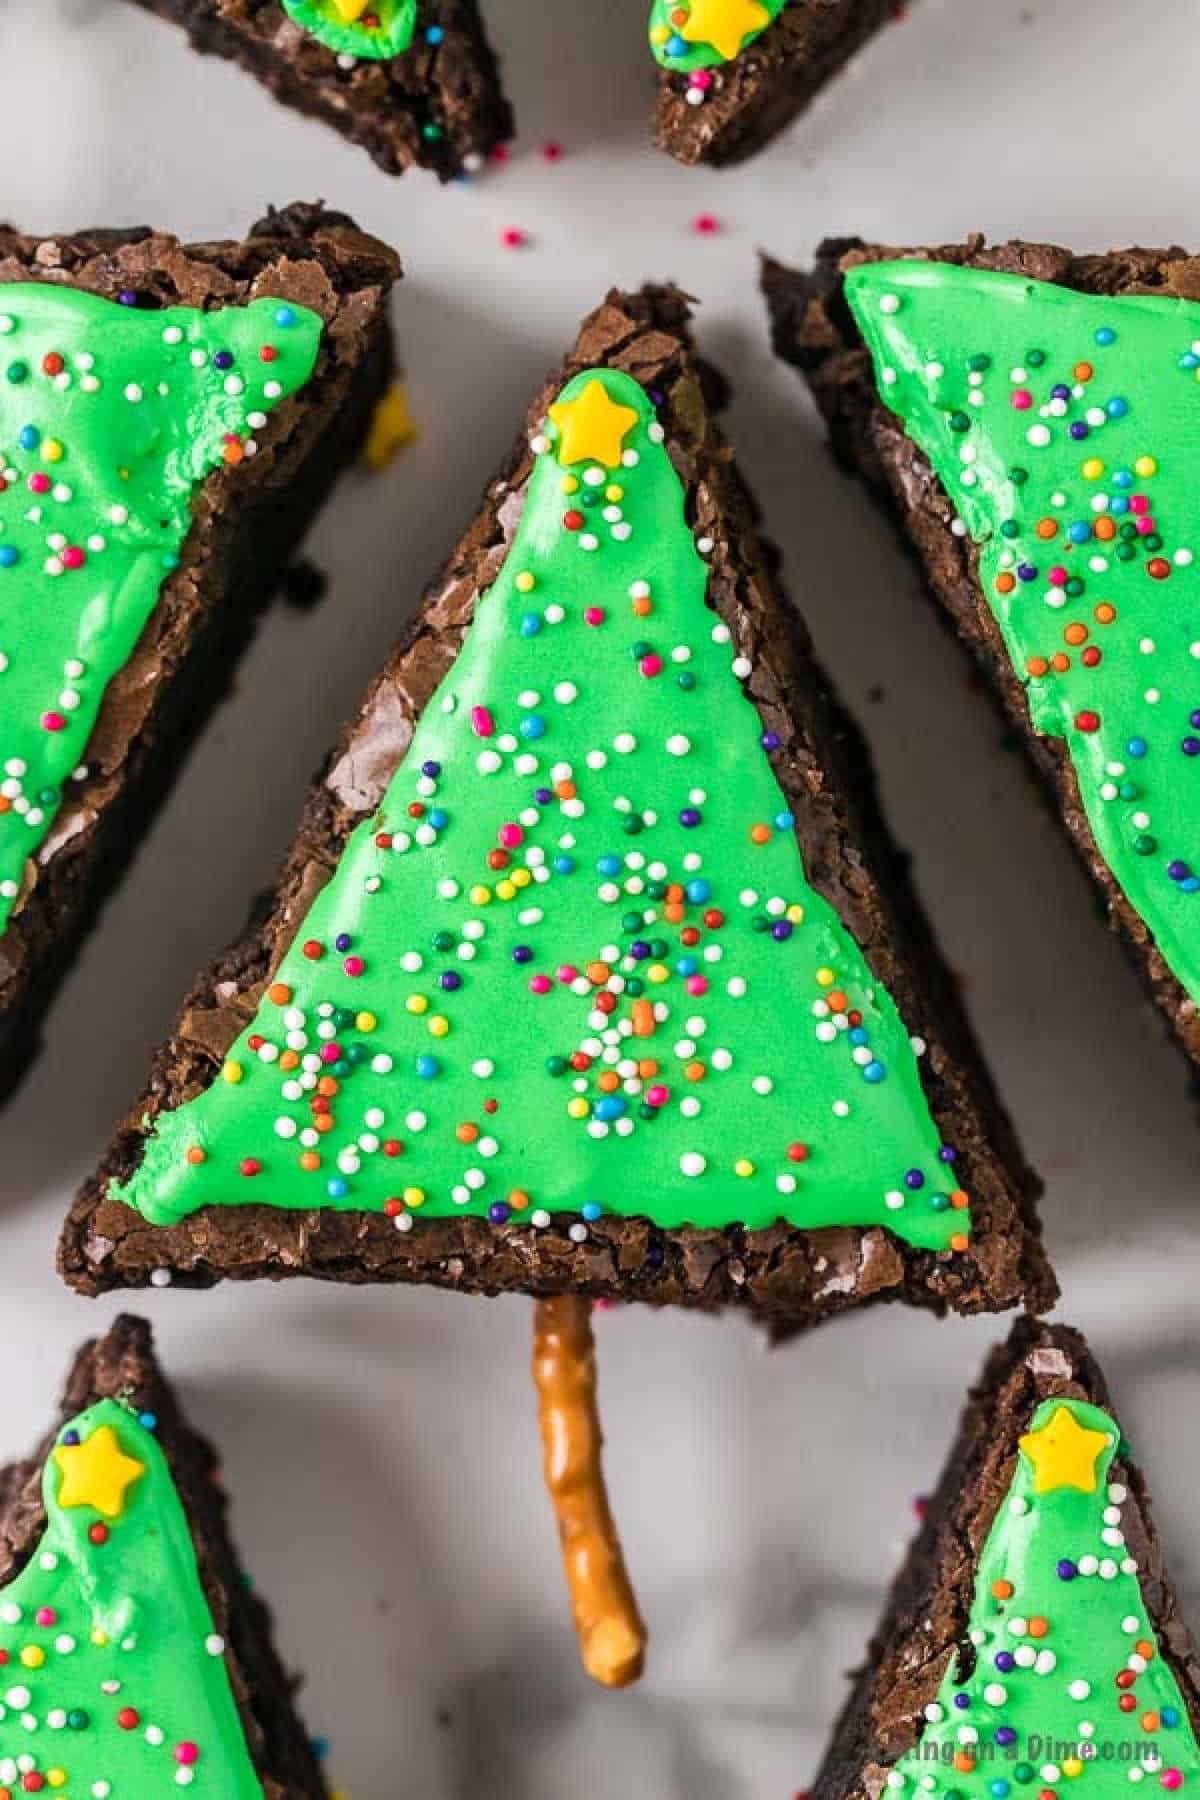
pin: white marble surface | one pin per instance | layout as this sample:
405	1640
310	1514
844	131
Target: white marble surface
763	1499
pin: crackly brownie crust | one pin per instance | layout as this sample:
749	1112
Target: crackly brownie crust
246	523
927	1612
121	1366
760	92
783	1273
450	87
814	329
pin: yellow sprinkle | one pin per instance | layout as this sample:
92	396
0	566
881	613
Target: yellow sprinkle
570	484
439	1025
659	34
579	1108
1146	465
233	1072
416	1003
56	1777
659	972
52	450
414	1196
33	1656
743	1167
366	1021
100	1639
520	878
824	977
1093	469
614	492
525	582
1072	1766
795	913
480	896
390	430
505	890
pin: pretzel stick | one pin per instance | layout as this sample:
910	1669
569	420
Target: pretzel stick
612	1638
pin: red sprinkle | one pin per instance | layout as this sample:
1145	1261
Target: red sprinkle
706	224
513	238
1087	720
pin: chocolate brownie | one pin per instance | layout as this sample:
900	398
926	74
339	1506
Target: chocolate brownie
1032	1633
836	1140
716	107
436	101
216	494
118	1523
1053	598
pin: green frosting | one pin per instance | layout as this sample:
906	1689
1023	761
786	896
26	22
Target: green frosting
112	1677
1061	1688
572	963
381	30
109	416
1062	426
735	24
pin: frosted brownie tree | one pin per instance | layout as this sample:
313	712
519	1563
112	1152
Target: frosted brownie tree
1062	426
573	964
109	417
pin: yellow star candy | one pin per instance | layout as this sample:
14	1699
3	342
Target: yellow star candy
350	10
1064	1453
725	24
592	428
97	1473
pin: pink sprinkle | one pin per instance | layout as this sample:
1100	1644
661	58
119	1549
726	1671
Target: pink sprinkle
700	78
552	151
1145	525
567	973
697	984
1172	1778
46	1615
511	836
501	153
1140	503
513	238
707	224
1021	398
39	483
73	557
482	723
594	615
651	665
53	721
1057	575
187	1753
330	1052
354	965
657	1095
540	984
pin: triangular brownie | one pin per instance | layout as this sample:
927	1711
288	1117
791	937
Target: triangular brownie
171	418
412	81
1032	1644
592	967
735	73
1025	414
134	1656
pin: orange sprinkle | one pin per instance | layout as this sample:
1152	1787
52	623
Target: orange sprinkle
279	993
324	1121
1038	1626
1005	584
963	1763
466	1133
1037	665
1105	528
197	1155
959	1199
1060	662
959	1241
695	1071
673	912
566	790
328	1084
1106	612
675	893
1144	1648
309	1160
597	973
642	608
233	453
608	1082
1150	1721
1002	1590
518	1199
1047	528
760	834
643	1026
1084	371
837	1001
1075	634
290	1059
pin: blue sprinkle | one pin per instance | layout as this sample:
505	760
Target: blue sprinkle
590	1210
28	437
1106	335
531	624
336	1187
439	819
285	318
564	865
428	1067
874	1072
8	556
148	1421
609	865
533	726
1136	747
1116	408
434	34
698	892
613	1106
784	821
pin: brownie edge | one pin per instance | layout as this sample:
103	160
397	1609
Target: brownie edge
782	1273
122	1366
246	524
813	329
925	1619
